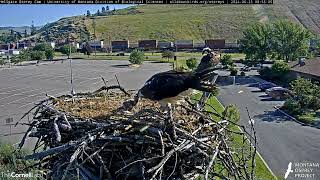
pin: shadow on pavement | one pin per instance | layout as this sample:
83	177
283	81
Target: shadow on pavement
272	116
120	65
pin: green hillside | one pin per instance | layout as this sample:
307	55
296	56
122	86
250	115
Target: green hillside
172	22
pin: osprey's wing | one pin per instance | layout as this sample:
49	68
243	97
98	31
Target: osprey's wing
164	85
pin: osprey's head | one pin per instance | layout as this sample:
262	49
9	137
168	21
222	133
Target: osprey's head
206	50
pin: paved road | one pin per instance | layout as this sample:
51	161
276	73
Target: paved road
280	140
22	86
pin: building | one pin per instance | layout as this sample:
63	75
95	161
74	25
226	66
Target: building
309	69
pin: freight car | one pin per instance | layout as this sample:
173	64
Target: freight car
215	43
120	45
184	44
148	44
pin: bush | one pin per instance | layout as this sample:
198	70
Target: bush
242	73
279	69
266	73
2	62
47	48
226	60
37	55
136	57
15	59
292	107
306	118
24	55
233	71
167	54
192	63
231	113
66	49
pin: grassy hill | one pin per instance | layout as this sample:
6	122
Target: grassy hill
172	22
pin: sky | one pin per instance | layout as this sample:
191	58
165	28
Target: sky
23	15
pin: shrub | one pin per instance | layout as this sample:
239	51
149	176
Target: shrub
233	71
231	113
15	59
167	54
306	118
280	69
2	62
24	55
47	48
226	60
292	107
66	49
192	63
136	57
242	73
37	55
266	73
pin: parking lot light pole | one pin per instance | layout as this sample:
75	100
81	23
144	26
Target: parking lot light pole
71	74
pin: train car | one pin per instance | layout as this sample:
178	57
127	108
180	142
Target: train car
148	44
184	44
215	43
120	45
165	45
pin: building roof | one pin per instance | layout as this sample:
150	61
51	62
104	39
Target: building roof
312	67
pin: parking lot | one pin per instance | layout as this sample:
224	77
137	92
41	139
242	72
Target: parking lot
22	86
280	140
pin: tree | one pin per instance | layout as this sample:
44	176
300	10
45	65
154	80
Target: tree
103	10
255	42
107	8
167	54
47	48
33	29
88	13
98	12
192	63
136	57
290	40
25	33
86	49
66	49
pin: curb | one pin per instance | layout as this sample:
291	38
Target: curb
263	161
294	119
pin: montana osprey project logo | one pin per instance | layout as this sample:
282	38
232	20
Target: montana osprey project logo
289	170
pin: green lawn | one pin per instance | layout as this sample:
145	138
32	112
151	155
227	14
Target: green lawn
261	170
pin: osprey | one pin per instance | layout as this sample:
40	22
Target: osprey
171	87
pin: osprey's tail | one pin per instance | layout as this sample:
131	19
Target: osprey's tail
199	80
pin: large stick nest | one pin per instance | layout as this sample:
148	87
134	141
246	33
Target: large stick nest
90	136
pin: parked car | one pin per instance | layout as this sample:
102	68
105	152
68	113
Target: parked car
279	93
266	85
